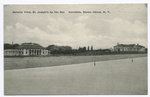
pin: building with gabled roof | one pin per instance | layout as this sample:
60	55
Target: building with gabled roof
26	49
30	46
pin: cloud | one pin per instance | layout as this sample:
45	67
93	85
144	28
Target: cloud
67	32
120	30
128	32
21	34
100	33
78	34
126	23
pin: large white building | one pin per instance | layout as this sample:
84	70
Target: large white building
26	49
129	47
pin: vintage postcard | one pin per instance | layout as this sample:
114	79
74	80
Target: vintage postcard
75	49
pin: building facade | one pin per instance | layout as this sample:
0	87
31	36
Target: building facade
12	52
26	49
129	47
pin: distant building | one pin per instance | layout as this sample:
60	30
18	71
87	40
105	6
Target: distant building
128	47
58	48
26	49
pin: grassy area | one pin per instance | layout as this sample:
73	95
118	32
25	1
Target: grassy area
33	62
87	53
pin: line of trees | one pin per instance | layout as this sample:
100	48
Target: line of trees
10	46
68	50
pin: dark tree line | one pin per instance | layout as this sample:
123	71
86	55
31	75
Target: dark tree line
10	46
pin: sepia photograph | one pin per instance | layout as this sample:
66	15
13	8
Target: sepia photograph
75	49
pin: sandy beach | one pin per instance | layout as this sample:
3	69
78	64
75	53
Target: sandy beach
114	77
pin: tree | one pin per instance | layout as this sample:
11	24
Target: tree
50	47
91	48
10	46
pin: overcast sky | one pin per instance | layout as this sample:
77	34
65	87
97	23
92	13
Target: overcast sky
125	23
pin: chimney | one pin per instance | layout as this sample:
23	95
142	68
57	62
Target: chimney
117	43
12	43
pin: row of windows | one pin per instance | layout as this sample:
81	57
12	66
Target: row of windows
22	51
35	52
13	52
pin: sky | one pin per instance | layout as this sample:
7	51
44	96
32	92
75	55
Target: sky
124	24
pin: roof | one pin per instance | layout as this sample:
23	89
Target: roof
125	45
29	46
130	45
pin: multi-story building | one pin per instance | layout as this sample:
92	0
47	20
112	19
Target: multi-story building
128	47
